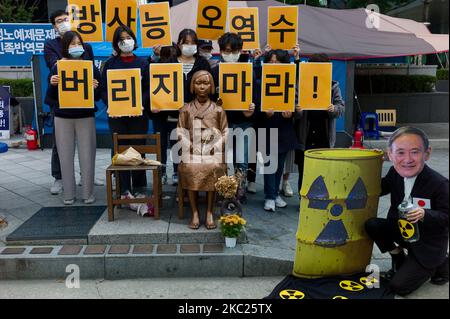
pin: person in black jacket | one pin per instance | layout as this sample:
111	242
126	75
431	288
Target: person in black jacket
74	125
411	180
124	43
186	48
52	53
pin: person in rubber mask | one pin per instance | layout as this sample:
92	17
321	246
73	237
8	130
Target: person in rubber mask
74	127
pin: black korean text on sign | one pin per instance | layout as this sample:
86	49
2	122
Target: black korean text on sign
278	87
86	18
116	91
273	89
71	83
283	21
155	32
233	88
211	13
116	19
241	23
282	28
162	86
211	18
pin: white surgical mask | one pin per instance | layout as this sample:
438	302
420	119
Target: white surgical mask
126	45
231	57
64	27
188	49
76	52
206	55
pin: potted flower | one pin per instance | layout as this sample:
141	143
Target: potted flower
231	227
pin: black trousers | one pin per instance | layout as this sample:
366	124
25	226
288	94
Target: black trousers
411	274
131	125
56	167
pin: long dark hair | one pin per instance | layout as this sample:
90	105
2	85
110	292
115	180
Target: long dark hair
282	56
66	40
183	36
116	37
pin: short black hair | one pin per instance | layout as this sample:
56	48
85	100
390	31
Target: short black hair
183	36
116	37
319	57
282	56
65	42
56	14
409	130
168	54
232	39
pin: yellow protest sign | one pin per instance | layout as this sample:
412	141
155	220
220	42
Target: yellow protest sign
236	85
211	18
75	89
86	19
124	92
155	24
282	27
120	12
315	85
245	22
166	86
278	87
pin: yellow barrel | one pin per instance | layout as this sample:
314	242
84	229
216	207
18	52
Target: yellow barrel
339	193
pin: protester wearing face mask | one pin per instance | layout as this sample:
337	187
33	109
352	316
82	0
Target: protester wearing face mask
52	53
192	62
230	45
124	43
205	48
74	127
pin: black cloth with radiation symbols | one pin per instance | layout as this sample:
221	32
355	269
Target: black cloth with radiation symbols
359	286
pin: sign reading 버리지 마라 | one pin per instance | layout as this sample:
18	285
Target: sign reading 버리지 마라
315	85
211	18
124	92
236	85
20	41
4	111
120	12
278	87
75	88
86	19
166	86
245	22
282	27
155	24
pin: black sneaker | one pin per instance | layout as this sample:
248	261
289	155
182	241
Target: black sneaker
440	277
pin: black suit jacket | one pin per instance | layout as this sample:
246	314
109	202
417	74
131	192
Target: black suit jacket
53	52
431	248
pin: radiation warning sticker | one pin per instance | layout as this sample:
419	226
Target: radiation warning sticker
368	281
291	294
406	228
351	285
339	297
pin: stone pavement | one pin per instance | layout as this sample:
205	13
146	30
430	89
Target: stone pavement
25	181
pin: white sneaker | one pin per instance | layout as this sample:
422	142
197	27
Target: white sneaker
251	187
90	200
57	187
69	201
279	202
287	189
269	205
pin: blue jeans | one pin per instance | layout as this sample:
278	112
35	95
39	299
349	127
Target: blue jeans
272	181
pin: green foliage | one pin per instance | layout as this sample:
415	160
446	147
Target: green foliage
17	11
390	83
20	87
442	74
385	5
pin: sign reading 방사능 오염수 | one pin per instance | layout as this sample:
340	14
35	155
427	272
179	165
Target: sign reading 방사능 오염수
278	87
75	88
245	22
166	86
86	19
124	92
211	18
236	86
315	85
282	27
120	12
19	41
155	24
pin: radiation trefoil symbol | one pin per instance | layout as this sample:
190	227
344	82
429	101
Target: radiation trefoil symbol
406	228
334	233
